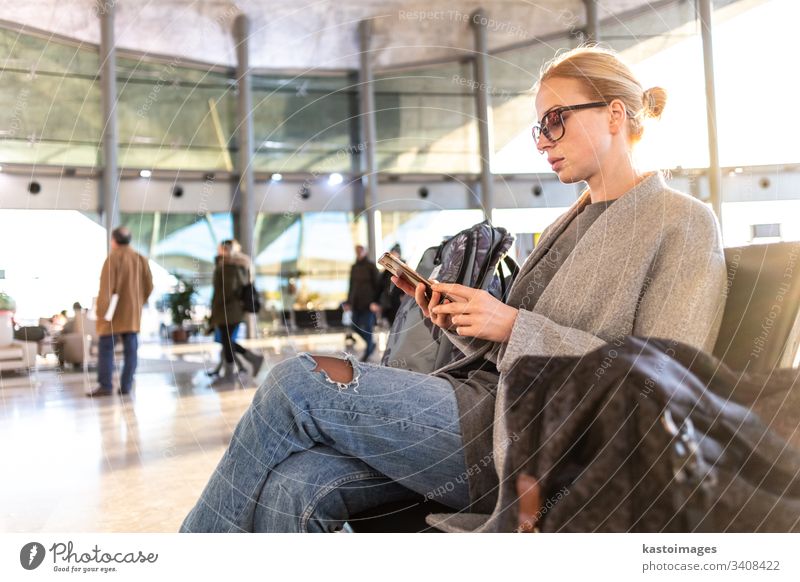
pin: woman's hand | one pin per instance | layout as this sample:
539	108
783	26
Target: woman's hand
474	312
418	293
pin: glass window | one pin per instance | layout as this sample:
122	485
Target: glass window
49	102
47	274
183	244
304	260
417	231
426	121
303	124
173	117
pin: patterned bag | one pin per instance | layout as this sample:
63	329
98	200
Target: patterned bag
475	257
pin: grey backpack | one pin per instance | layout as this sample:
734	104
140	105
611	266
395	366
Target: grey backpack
475	257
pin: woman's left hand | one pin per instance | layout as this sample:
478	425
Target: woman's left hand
475	313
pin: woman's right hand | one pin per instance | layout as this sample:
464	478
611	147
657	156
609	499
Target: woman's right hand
418	293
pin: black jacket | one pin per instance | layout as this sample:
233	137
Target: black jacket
652	435
365	285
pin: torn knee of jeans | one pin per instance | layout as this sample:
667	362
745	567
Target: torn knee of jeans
341	383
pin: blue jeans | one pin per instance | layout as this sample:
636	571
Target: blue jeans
105	360
310	452
363	323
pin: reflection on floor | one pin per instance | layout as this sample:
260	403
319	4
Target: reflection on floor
122	464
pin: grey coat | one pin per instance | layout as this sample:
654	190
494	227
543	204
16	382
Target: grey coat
651	265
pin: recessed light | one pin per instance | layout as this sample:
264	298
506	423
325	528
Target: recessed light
276	177
335	179
145	173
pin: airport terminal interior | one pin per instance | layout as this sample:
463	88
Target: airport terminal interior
303	129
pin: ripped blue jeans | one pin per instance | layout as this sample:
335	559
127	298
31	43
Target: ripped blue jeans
310	452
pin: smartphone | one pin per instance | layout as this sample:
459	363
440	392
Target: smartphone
398	268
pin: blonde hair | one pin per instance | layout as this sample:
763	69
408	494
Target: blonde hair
605	77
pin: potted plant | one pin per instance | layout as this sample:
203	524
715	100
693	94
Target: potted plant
180	302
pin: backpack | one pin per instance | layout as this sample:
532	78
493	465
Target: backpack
475	257
651	435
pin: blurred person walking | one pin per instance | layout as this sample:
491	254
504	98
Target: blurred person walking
363	298
125	284
231	274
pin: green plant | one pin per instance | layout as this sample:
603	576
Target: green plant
6	302
180	300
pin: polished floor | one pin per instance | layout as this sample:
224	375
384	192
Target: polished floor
122	464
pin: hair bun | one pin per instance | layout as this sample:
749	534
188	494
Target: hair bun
653	100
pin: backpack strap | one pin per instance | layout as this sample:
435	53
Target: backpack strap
485	268
507	280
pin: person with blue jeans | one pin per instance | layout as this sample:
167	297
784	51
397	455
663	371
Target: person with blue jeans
325	438
125	284
105	360
363	298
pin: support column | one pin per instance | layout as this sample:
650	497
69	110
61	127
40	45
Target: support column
109	209
714	170
245	139
483	112
244	118
592	30
369	168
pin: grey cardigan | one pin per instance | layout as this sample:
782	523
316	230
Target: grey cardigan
651	265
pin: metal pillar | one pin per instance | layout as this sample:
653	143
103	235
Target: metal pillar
356	157
482	111
714	170
244	118
592	31
109	210
369	168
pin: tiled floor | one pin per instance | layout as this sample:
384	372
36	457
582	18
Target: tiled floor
134	464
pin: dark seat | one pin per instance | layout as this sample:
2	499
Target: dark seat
760	327
333	318
307	319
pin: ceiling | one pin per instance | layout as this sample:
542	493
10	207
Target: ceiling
310	35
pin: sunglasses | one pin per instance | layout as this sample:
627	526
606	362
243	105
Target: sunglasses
552	123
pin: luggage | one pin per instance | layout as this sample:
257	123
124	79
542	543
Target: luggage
651	435
475	257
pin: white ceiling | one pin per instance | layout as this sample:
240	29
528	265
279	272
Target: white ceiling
304	35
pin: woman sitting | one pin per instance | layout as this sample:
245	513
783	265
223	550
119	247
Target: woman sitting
325	438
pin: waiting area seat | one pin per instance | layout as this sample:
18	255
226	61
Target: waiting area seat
760	329
18	356
80	346
305	320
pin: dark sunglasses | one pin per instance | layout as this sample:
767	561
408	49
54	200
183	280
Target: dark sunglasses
552	123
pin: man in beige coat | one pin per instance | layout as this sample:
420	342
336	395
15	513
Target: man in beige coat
125	285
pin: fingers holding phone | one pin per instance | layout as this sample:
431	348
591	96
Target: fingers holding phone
404	285
426	298
422	294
